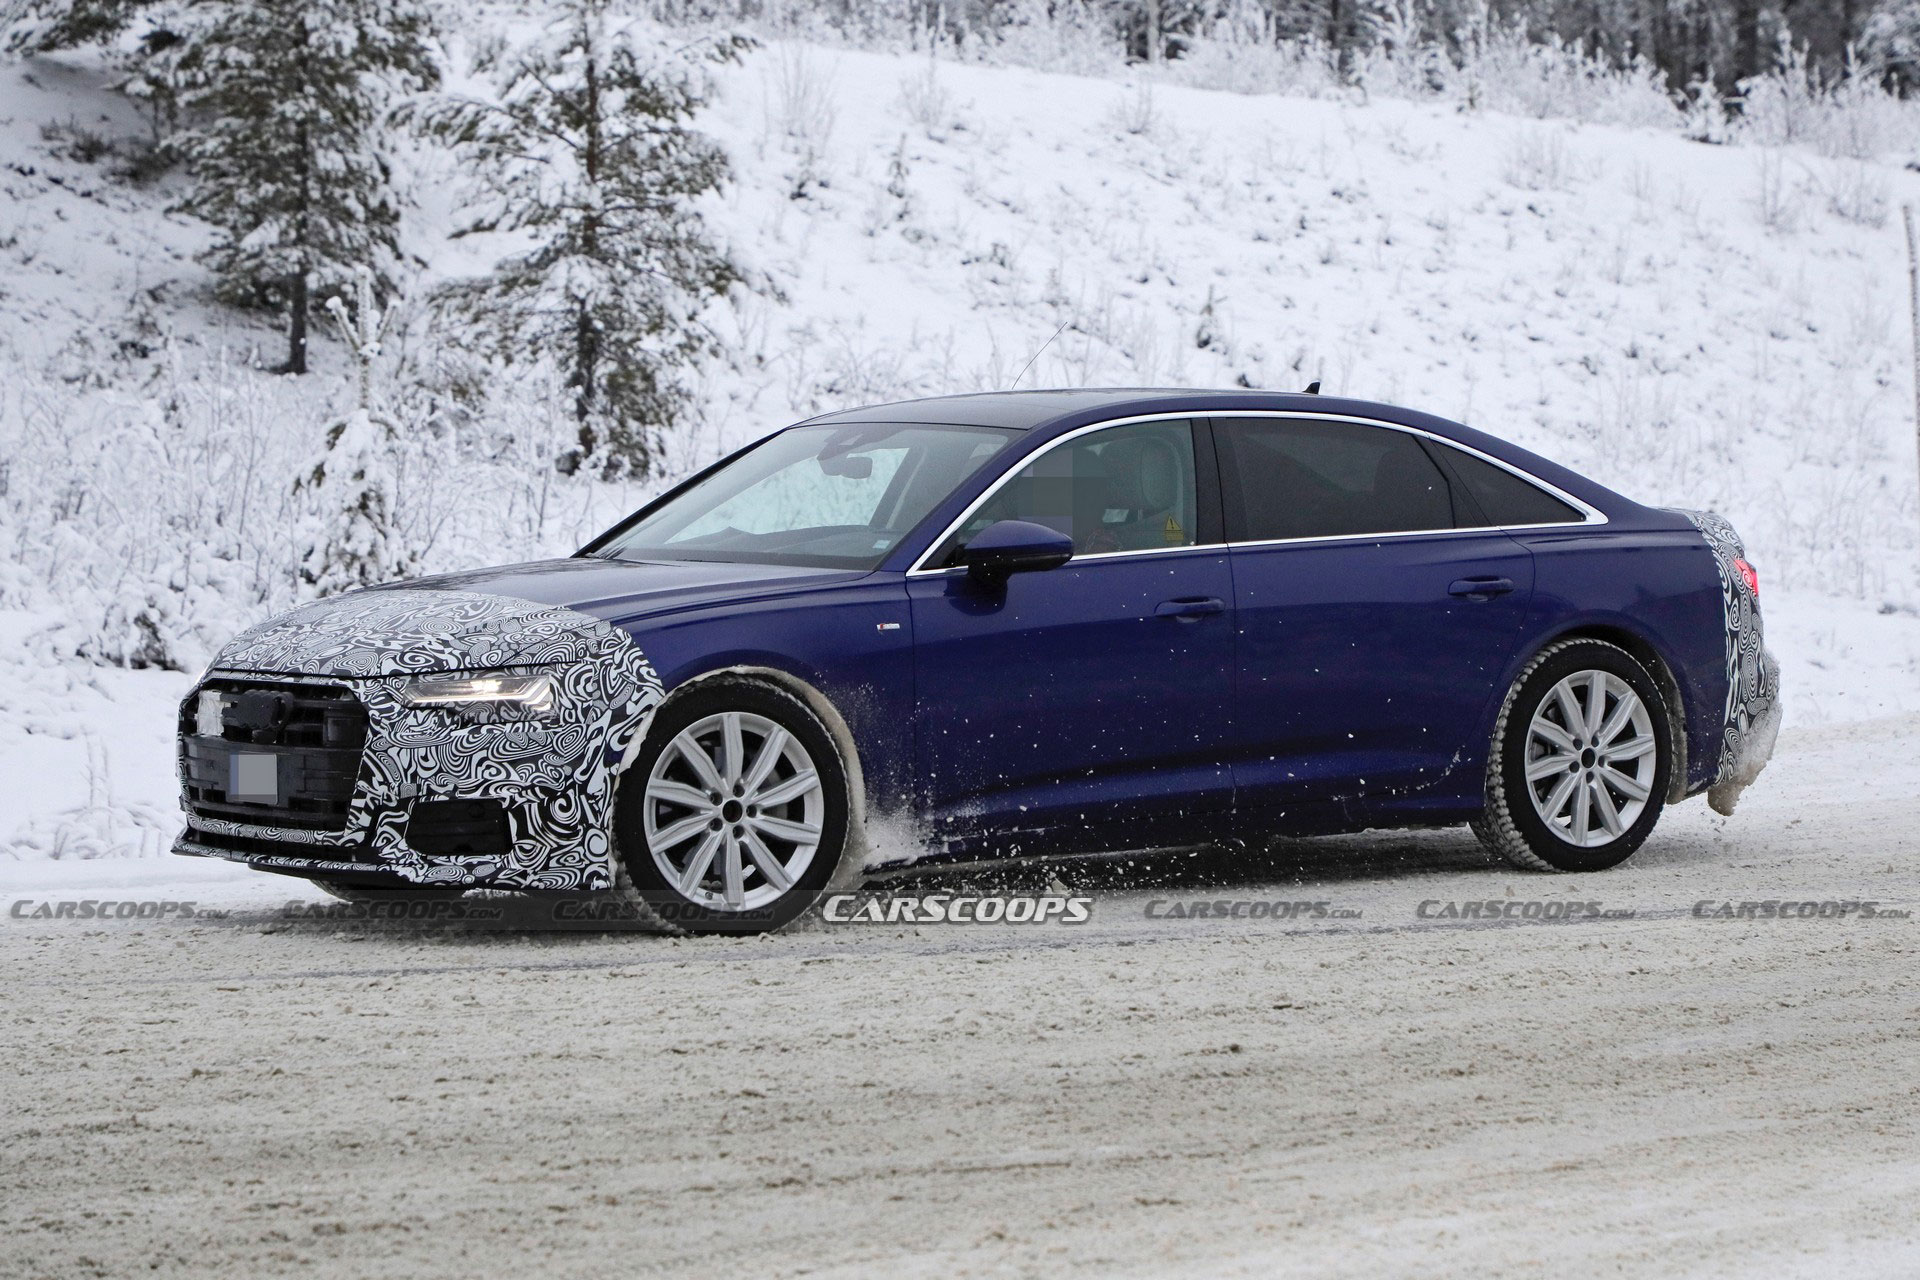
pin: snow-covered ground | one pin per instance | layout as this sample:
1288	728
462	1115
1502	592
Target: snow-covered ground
1390	1090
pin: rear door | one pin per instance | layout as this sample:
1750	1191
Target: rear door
1374	619
1096	695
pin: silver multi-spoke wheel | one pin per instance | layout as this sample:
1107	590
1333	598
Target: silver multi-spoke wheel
734	811
1591	758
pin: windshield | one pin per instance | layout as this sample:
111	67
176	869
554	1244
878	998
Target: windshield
830	496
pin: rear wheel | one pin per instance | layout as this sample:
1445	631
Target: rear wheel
1578	766
734	816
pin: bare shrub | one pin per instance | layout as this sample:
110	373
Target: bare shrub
1537	159
927	102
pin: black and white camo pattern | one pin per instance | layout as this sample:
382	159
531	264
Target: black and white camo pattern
555	773
1751	717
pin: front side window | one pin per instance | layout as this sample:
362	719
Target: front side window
1127	488
1302	478
828	496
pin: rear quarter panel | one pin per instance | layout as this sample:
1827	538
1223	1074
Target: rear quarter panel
1655	583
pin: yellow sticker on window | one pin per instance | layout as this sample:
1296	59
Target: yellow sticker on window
1175	535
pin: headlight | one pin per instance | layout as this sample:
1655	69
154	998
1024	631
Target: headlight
503	695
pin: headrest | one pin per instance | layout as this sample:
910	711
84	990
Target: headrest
1143	475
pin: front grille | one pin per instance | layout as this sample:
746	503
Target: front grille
315	733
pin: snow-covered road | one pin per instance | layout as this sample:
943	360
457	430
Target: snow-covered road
1398	1092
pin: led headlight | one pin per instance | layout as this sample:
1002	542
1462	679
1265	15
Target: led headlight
504	694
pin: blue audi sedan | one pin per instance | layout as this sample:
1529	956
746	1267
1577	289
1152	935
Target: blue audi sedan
1021	623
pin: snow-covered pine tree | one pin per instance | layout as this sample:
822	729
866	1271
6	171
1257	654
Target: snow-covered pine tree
41	26
354	541
286	102
585	147
1891	46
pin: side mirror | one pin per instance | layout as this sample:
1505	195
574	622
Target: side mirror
1014	546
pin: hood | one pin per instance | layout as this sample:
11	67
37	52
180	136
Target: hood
622	590
408	630
516	615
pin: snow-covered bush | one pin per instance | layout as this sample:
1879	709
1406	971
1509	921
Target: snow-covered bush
1295	68
352	493
157	518
1537	159
356	540
1073	36
927	102
1511	72
1853	117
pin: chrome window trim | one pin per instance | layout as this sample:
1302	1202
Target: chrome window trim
1591	515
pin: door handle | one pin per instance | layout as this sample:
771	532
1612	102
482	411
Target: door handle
1480	588
1190	608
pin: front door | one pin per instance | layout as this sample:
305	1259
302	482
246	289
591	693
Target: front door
1094	698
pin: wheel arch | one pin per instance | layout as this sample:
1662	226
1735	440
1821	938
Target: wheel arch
830	718
1648	655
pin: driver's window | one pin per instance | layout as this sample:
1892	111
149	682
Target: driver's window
1125	488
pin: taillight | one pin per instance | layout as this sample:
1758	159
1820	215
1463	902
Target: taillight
1753	579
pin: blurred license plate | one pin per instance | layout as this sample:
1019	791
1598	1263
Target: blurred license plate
253	777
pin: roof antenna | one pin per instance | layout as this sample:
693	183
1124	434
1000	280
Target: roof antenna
1313	388
1036	355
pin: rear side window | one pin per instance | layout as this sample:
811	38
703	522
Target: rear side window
1502	497
1309	479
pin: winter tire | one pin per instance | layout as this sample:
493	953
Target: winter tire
734	816
1577	768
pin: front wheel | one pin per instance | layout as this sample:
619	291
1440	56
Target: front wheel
734	816
1578	766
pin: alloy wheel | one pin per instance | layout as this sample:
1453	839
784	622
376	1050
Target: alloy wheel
734	811
1591	758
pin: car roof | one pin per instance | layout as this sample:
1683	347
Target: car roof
1051	412
1025	410
1032	410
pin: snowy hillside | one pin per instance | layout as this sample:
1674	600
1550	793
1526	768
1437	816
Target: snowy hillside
1614	298
1718	326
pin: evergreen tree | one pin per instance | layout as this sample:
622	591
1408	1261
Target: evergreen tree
354	540
1892	45
285	101
585	146
41	26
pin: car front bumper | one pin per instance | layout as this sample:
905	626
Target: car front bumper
437	797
